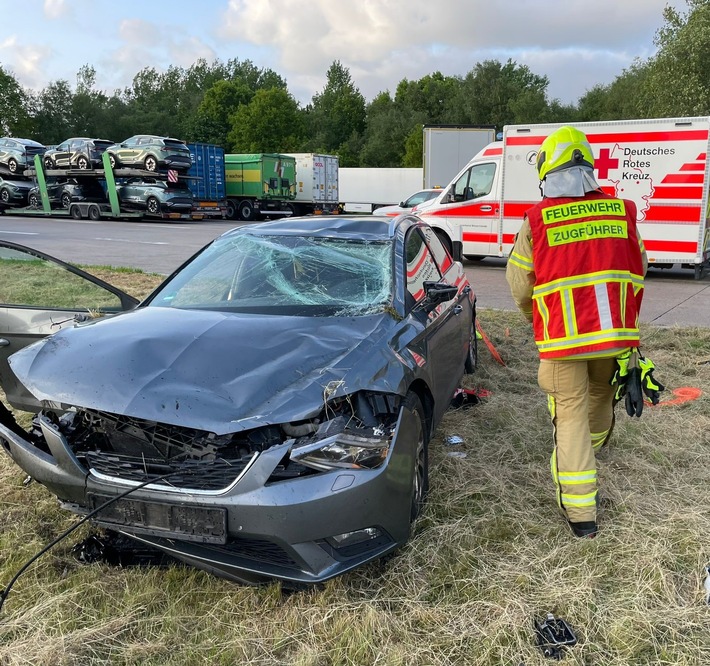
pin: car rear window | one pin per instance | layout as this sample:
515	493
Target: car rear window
102	144
172	143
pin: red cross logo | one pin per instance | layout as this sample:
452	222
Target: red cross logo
604	163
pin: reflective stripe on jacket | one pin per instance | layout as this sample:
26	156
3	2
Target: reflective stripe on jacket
588	267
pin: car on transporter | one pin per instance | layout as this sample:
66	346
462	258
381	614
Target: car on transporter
76	153
150	152
62	192
268	408
155	196
16	154
14	192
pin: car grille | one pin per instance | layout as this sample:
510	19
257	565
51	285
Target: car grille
209	475
256	549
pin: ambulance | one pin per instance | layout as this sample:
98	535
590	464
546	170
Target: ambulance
660	164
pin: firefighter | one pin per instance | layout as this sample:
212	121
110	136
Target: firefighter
577	273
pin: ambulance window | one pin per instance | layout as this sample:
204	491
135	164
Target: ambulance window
420	266
482	179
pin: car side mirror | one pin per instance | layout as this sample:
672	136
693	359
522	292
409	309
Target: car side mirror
437	293
450	198
401	204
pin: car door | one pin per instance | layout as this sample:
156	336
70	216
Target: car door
438	346
40	295
62	154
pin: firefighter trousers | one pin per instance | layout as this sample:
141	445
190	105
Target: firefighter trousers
580	400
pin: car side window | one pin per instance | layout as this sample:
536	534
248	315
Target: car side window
421	266
441	256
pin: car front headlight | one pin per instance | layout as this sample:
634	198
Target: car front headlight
344	451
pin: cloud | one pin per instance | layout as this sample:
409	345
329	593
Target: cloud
382	42
54	9
26	61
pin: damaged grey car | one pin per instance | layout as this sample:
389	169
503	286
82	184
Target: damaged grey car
269	406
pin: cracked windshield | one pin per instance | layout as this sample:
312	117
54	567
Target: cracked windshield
285	275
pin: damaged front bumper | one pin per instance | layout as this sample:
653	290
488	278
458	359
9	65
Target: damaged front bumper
301	530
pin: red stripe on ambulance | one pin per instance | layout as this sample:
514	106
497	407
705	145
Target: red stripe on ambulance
678	214
677	247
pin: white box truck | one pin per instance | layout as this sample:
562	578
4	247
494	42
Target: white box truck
660	164
448	148
316	184
364	189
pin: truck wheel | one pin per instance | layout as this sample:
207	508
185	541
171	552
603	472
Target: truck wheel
153	206
94	213
75	212
151	164
246	211
445	241
231	210
12	165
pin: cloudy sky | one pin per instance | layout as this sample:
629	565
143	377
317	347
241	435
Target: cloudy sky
576	43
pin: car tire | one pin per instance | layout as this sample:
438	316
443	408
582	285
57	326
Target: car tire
474	257
151	164
65	200
49	163
12	165
4	195
75	212
420	471
82	162
34	200
152	206
246	211
113	161
472	353
94	213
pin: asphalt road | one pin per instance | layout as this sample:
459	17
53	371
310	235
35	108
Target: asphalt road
672	297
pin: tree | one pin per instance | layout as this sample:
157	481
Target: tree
677	78
214	117
270	123
337	114
14	115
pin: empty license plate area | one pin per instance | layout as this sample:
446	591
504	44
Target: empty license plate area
188	523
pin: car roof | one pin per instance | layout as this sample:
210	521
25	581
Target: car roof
356	227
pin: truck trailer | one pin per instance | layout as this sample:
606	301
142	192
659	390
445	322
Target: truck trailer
206	179
364	190
316	184
660	164
448	148
260	184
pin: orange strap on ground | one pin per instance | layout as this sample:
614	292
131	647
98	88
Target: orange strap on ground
489	344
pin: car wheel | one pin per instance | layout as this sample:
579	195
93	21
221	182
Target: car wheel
246	211
113	161
12	165
48	163
153	206
33	200
75	212
94	213
4	196
65	200
472	354
151	164
83	162
420	472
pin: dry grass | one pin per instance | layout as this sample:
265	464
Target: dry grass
490	553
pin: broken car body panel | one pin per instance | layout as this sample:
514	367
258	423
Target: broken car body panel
276	393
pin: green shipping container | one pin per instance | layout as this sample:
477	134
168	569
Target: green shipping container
261	176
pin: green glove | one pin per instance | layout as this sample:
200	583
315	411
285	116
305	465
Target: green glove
651	387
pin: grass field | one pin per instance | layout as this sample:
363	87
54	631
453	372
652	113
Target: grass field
490	552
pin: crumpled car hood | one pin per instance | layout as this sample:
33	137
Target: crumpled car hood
213	371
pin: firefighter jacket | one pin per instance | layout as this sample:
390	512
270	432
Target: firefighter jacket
576	271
